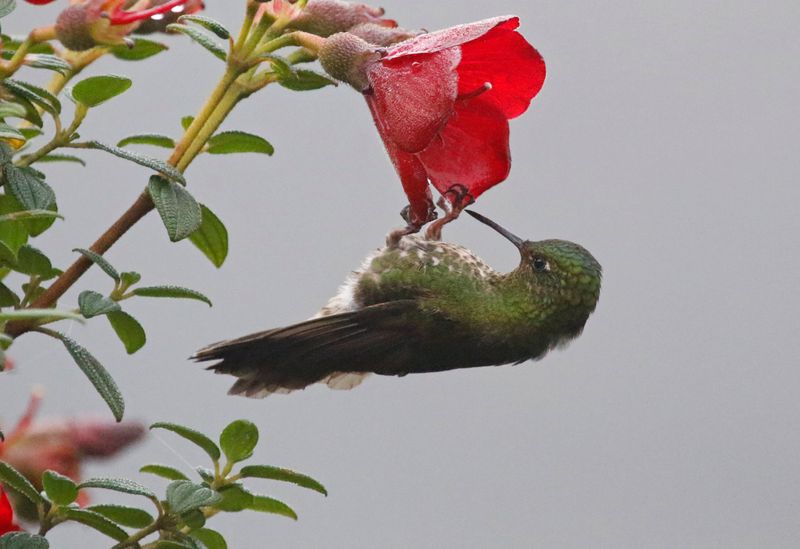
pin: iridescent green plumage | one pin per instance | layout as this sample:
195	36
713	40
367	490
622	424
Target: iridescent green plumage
423	306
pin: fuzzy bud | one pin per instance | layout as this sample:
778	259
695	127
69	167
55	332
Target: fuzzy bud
381	35
327	17
346	57
74	27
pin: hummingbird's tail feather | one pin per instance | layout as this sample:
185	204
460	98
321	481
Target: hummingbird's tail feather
339	350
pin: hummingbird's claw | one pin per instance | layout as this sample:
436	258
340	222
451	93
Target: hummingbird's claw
452	209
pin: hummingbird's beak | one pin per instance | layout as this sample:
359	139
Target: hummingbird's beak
515	240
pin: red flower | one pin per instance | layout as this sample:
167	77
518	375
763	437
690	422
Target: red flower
442	101
61	445
7	523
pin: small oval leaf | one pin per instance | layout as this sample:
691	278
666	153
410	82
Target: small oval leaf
178	209
126	516
94	304
238	440
163	471
232	142
171	291
185	495
60	489
100	261
128	330
191	435
95	90
284	475
14	479
211	237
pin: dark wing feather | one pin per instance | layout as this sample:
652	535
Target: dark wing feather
293	357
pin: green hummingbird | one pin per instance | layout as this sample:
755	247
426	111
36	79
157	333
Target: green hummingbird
420	305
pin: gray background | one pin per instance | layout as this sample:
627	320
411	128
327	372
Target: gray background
664	140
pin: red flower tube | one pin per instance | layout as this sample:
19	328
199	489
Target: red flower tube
7	523
441	102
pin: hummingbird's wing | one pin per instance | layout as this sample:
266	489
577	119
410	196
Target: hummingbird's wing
293	357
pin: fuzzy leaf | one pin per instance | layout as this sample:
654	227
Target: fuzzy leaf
11	134
126	516
48	62
202	38
211	237
142	49
39	96
185	495
39	314
283	475
98	375
154	139
238	440
172	292
60	489
238	142
210	538
209	24
7	6
122	485
305	80
95	521
94	304
266	504
30	214
27	187
23	540
100	261
128	330
31	261
7	297
95	90
178	209
13	478
191	435
62	158
163	471
168	170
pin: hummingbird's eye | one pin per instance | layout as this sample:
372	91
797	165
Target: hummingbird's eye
540	264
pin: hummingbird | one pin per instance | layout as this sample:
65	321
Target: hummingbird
422	305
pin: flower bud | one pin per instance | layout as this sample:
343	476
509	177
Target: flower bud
346	57
381	35
327	17
73	27
158	23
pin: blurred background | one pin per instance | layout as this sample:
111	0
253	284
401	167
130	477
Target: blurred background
664	140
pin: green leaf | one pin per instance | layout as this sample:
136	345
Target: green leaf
30	214
62	158
95	90
27	187
122	485
191	435
48	62
210	24
163	471
154	139
98	375
202	38
186	121
95	304
238	142
7	132
168	170
266	504
234	499
7	297
34	94
11	110
128	329
172	292
100	261
126	516
130	278
31	261
169	544
38	226
238	440
142	49
7	6
96	521
210	538
185	495
211	237
284	475
13	234
30	133
306	80
39	314
178	209
14	479
23	540
194	519
60	489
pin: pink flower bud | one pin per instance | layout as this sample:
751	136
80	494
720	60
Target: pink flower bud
327	17
381	35
347	57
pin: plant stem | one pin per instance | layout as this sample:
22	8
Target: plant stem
134	539
41	34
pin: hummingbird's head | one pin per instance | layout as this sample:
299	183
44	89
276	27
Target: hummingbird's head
562	271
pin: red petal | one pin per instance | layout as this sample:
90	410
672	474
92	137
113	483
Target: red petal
451	37
6	515
411	171
414	96
472	150
508	62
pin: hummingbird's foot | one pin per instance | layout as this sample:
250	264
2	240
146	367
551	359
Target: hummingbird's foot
412	227
452	209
